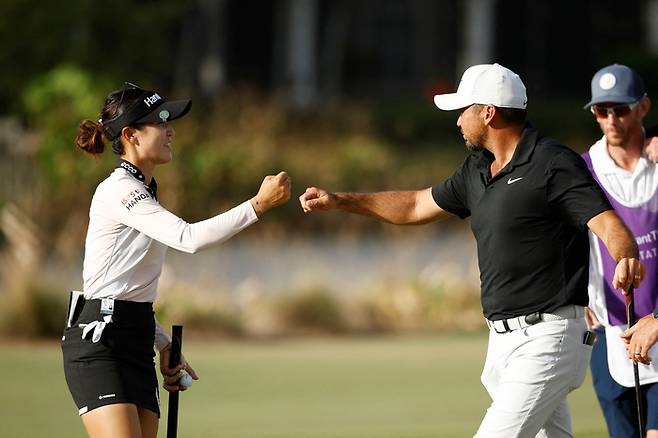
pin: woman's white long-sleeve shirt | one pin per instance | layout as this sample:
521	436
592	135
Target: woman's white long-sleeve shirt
129	232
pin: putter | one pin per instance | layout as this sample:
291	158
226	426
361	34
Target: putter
174	359
630	314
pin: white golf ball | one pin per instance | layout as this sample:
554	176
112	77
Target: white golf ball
185	381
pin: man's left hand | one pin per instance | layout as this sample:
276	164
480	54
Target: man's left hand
651	148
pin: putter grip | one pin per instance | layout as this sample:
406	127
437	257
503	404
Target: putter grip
176	345
174	359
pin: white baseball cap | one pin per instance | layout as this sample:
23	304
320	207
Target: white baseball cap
488	84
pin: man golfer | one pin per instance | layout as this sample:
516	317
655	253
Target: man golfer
531	201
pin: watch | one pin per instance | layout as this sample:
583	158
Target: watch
655	313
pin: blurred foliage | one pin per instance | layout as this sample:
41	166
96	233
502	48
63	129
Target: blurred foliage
314	309
52	102
437	299
200	313
98	37
35	311
62	178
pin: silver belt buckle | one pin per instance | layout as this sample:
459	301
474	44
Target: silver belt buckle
107	306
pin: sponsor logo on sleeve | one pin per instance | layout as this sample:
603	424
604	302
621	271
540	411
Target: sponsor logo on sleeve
133	198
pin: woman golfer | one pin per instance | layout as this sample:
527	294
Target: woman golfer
111	330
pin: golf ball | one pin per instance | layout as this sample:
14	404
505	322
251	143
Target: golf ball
185	381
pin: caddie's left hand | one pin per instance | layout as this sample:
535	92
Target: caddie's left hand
651	148
629	271
170	376
640	338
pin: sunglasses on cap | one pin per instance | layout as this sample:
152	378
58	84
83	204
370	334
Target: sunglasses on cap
127	86
617	110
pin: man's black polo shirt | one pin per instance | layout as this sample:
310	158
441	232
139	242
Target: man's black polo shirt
529	222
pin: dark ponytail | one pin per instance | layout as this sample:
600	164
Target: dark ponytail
90	137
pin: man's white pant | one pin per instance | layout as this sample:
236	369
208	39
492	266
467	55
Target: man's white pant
528	374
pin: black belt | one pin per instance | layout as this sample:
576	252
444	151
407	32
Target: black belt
106	309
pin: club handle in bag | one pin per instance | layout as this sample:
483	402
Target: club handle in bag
630	314
174	360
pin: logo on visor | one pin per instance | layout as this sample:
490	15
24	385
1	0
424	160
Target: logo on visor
152	99
164	115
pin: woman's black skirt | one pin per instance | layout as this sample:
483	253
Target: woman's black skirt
119	368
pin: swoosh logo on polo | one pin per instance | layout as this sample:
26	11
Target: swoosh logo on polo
512	181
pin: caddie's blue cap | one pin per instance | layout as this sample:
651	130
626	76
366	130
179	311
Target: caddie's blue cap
616	83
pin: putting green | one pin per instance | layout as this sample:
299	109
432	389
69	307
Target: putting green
408	386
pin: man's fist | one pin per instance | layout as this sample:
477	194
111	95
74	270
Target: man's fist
317	199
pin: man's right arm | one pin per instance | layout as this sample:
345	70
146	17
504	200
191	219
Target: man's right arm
621	246
398	207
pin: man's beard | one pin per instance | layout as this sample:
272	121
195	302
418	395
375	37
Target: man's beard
474	147
620	139
478	143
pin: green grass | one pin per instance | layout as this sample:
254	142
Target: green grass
420	386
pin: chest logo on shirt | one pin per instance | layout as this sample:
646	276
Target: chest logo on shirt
513	180
130	200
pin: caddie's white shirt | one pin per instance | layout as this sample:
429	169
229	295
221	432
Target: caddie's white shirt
129	232
630	189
